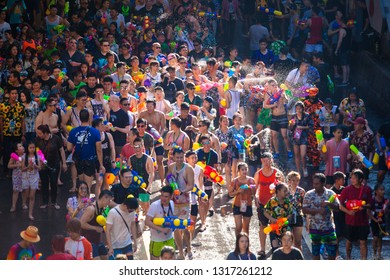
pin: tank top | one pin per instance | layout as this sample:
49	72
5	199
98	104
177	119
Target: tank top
106	149
50	25
179	141
92	235
139	166
263	191
179	175
234	104
186	122
315	31
193	197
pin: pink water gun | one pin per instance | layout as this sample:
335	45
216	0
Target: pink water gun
41	156
16	157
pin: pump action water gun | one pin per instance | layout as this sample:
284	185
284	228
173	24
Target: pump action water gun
270	11
109	125
247	187
276	227
195	190
172	182
41	155
321	141
138	180
362	157
211	173
239	141
355	205
173	222
15	157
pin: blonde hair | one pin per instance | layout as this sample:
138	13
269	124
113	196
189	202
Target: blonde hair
293	174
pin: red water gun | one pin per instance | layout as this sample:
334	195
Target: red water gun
355	204
211	173
276	227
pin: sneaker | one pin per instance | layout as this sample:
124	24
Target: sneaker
43	206
211	213
276	155
339	258
56	206
290	154
24	207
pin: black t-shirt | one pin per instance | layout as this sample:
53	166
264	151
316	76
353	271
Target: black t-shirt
254	154
195	55
51	149
47	84
90	91
120	193
119	119
338	215
295	254
210	158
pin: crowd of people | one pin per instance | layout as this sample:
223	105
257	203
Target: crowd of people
128	96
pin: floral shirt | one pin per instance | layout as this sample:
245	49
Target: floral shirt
319	221
297	199
357	109
276	210
364	144
313	107
213	92
224	138
12	117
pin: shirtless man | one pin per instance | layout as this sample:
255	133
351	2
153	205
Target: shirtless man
176	138
279	122
48	116
154	117
184	175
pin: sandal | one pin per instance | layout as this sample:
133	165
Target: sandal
12	210
202	228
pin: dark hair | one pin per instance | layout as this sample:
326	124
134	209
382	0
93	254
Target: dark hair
176	121
190	153
131	203
84	115
107	79
241	164
358	173
320	176
238	237
167	189
58	243
206	122
106	193
279	186
123	171
167	250
319	55
144	121
138	139
44	128
74	225
338	175
96	122
378	186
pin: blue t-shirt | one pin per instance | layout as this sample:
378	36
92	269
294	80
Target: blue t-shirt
76	137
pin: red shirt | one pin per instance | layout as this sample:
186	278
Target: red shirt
263	191
351	193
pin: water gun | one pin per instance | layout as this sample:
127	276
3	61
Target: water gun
211	173
66	8
146	23
330	84
101	220
239	141
275	97
333	198
257	89
223	145
207	86
147	83
276	227
196	146
223	103
157	137
195	190
106	97
247	143
270	10
16	157
173	222
41	156
172	182
40	100
61	76
320	140
110	178
109	125
247	187
375	159
382	141
355	205
351	23
301	22
87	200
59	28
138	180
388	160
207	14
362	158
37	257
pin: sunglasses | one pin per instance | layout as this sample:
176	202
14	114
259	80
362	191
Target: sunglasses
140	126
158	47
126	104
206	143
137	146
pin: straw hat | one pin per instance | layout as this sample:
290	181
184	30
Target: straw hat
30	234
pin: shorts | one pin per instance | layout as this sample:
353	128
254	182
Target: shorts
99	250
375	230
209	192
343	58
309	48
224	157
182	211
194	210
248	213
87	167
17	184
30	181
155	247
159	150
340	227
128	251
298	222
263	221
279	122
328	238
356	233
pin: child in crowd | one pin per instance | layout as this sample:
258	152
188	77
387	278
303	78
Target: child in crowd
15	163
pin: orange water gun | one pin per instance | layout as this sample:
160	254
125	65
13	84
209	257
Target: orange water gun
276	227
211	173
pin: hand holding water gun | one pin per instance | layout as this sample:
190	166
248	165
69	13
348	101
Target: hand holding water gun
247	187
276	227
138	180
275	97
41	156
270	11
211	173
109	125
15	157
321	141
239	141
355	204
362	157
172	182
195	190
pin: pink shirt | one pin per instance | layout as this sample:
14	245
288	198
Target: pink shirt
340	149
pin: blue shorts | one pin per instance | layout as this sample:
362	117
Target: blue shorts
99	250
313	48
328	238
128	251
159	150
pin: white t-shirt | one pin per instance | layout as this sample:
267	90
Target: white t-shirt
120	235
4	27
156	210
76	248
194	197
